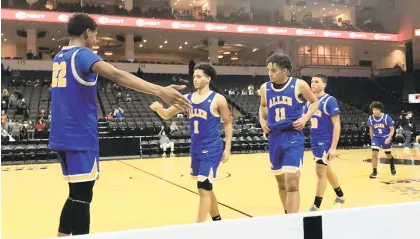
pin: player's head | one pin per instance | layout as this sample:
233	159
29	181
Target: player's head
203	74
376	108
82	26
278	66
318	83
409	114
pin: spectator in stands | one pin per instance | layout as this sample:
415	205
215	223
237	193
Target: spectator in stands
118	113
244	91
5	97
251	89
140	73
29	55
40	126
231	92
407	125
165	143
119	97
15	128
12	101
399	137
128	98
4	120
174	127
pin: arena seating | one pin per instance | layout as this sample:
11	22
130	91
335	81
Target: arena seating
165	12
140	120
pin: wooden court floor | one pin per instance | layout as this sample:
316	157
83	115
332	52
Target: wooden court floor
143	193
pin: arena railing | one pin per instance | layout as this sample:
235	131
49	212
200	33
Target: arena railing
384	221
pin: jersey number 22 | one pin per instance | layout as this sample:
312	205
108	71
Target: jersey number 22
59	75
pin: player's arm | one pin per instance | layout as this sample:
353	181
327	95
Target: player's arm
224	113
391	124
369	124
263	110
165	113
168	94
336	130
307	93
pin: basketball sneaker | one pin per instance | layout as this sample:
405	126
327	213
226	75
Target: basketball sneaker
164	155
314	208
338	203
374	175
172	155
393	170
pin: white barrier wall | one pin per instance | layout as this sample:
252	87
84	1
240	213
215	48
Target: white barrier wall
183	69
394	221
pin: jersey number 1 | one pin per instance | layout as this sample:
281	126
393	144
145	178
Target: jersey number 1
195	127
280	114
59	75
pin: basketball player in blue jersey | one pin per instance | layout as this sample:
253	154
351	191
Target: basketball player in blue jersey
74	130
325	134
282	120
381	129
206	144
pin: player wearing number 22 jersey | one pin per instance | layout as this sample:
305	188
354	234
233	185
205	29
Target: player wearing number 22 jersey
74	130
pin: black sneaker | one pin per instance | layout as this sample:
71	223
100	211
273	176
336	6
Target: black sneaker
373	175
393	170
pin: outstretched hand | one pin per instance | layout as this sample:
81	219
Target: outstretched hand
171	95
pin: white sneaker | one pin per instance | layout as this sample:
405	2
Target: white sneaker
338	203
164	155
172	155
314	208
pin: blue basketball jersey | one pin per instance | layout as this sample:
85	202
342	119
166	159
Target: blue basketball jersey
204	126
380	125
74	112
321	125
283	105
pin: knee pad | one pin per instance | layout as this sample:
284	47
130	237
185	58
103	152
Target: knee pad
82	192
206	185
375	150
320	161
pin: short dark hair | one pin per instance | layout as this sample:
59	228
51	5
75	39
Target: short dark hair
321	76
208	69
79	23
376	105
282	60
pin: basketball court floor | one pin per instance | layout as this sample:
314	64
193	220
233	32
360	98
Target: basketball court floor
144	193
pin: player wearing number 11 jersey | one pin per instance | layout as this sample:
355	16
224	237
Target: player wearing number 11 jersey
74	130
282	120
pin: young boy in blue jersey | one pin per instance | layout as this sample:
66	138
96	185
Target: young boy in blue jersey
325	134
381	130
282	120
74	131
206	144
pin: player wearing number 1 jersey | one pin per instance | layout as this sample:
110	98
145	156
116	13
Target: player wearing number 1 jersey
325	133
281	119
206	144
74	130
381	129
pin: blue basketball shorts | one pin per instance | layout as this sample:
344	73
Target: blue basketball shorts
204	164
320	149
379	142
286	151
79	166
